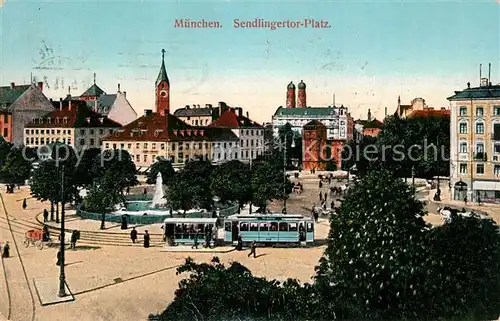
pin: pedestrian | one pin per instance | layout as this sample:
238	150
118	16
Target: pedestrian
283	211
133	235
320	184
326	196
128	190
332	205
73	240
59	258
239	246
252	250
195	245
45	215
465	200
6	250
124	225
320	196
24	204
146	239
329	180
145	191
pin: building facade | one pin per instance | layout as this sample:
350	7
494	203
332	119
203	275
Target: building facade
19	104
114	106
161	134
475	143
71	123
317	150
201	116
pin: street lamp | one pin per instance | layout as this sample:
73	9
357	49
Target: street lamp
62	276
284	168
413	176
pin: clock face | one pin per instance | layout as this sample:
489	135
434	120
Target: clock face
163	93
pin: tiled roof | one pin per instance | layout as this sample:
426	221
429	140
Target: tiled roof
430	113
104	102
9	95
485	92
78	116
313	111
191	112
313	124
229	119
153	127
375	123
93	91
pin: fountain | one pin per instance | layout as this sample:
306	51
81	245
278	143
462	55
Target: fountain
158	197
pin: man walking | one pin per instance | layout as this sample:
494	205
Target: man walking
24	204
133	235
146	239
195	245
45	215
252	250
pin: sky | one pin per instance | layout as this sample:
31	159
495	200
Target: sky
372	52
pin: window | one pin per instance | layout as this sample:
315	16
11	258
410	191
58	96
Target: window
36	131
283	227
58	131
101	131
53	131
162	146
310	227
463	111
145	145
463	128
496	110
235	155
82	131
463	147
82	142
137	158
496	170
42	141
5	132
153	145
137	145
274	226
196	122
479	111
27	141
91	142
292	227
64	131
218	156
129	146
463	169
42	131
107	145
91	132
479	128
496	149
254	227
227	227
110	131
69	141
479	147
173	146
145	158
122	146
114	146
5	118
480	169
264	227
243	227
200	145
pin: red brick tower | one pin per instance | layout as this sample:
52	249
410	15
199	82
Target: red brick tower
290	95
301	97
314	146
162	89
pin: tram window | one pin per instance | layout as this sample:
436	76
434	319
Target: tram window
309	227
264	227
254	227
292	227
283	227
227	226
244	227
274	226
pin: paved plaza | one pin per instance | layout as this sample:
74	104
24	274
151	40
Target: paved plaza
112	282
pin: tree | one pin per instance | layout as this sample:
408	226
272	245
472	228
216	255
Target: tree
103	196
120	163
189	187
162	166
43	186
373	260
268	181
84	176
232	181
5	148
362	154
16	168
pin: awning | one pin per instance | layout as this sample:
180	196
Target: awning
486	186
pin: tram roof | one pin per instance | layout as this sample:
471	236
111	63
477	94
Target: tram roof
190	220
268	216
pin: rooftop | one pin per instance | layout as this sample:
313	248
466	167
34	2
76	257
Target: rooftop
483	93
93	91
375	123
311	111
430	112
313	124
229	119
9	94
72	114
193	112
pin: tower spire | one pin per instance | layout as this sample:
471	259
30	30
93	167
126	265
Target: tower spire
94	78
162	76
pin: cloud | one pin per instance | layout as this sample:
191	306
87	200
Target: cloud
1	3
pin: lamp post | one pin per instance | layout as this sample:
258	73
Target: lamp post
413	176
251	176
62	276
284	169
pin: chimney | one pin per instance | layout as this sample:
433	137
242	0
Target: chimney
443	108
12	85
240	111
125	94
247	115
60	104
40	85
207	105
194	105
118	87
198	106
148	112
468	85
187	106
50	100
69	105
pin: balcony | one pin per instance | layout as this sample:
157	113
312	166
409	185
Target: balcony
478	156
495	136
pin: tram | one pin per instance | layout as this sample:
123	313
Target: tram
182	231
269	229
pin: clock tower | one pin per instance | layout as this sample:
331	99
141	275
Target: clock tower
162	89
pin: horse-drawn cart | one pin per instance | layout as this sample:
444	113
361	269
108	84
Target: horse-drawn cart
36	238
